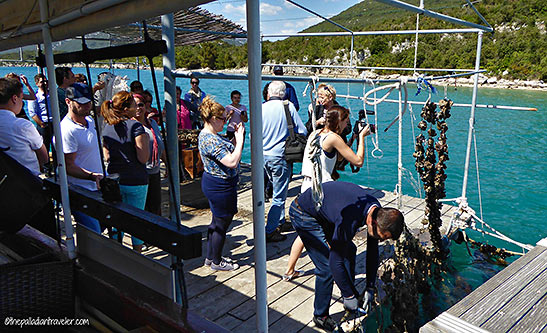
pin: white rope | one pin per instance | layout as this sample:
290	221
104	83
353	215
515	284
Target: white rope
313	96
477	166
376	152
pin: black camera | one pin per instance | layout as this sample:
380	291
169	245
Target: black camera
362	122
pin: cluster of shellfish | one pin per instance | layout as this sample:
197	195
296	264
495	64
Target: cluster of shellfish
188	137
431	170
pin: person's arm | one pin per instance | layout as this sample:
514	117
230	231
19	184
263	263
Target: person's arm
336	142
142	145
38	121
31	95
72	169
232	160
41	155
33	107
98	86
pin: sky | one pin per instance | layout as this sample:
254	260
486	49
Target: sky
279	16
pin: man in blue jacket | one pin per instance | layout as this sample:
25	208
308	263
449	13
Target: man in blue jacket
327	233
290	92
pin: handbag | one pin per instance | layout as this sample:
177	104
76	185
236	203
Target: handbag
295	143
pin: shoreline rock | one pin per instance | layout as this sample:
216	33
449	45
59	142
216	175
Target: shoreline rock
484	81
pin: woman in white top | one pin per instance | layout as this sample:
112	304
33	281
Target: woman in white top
333	149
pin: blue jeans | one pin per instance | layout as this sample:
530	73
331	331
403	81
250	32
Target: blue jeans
134	195
278	172
315	242
87	221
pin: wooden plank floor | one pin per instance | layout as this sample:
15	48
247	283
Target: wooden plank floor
228	298
514	300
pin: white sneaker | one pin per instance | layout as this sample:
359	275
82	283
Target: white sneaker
224	266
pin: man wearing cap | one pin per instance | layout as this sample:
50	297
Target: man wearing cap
81	148
290	92
327	234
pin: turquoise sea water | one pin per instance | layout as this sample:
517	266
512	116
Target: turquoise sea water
511	154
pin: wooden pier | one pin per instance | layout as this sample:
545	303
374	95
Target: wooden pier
228	298
514	300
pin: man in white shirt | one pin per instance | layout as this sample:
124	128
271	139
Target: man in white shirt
81	148
21	141
19	135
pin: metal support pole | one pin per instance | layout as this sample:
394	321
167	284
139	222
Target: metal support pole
416	40
168	35
351	50
257	162
472	117
137	63
54	99
400	155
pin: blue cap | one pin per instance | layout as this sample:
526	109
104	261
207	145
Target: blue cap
79	92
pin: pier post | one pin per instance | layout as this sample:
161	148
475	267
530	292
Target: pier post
54	102
472	117
257	161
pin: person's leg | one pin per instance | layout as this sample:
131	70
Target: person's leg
296	250
87	221
279	171
218	236
314	240
135	195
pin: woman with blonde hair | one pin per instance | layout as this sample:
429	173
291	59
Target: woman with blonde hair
333	148
126	150
219	182
326	99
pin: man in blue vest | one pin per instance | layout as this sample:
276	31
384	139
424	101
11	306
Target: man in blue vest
327	234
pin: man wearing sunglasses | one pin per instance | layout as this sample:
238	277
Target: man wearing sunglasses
81	148
195	96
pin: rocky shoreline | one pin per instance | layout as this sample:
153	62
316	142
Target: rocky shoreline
484	80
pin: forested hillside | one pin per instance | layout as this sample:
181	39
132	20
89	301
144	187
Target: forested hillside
516	50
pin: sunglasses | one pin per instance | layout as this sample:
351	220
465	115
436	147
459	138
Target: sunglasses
194	82
221	118
140	105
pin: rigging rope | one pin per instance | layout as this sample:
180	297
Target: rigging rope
477	166
373	138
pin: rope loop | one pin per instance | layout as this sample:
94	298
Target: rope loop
379	154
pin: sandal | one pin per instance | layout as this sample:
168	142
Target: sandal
290	277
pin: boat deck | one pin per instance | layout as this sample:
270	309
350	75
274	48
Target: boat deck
228	298
514	300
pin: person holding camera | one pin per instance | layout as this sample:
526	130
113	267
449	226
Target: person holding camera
333	148
221	158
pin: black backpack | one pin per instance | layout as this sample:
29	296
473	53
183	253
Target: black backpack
295	143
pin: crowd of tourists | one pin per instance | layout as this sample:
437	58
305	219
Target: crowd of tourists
326	215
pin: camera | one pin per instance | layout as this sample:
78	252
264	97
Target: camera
362	122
